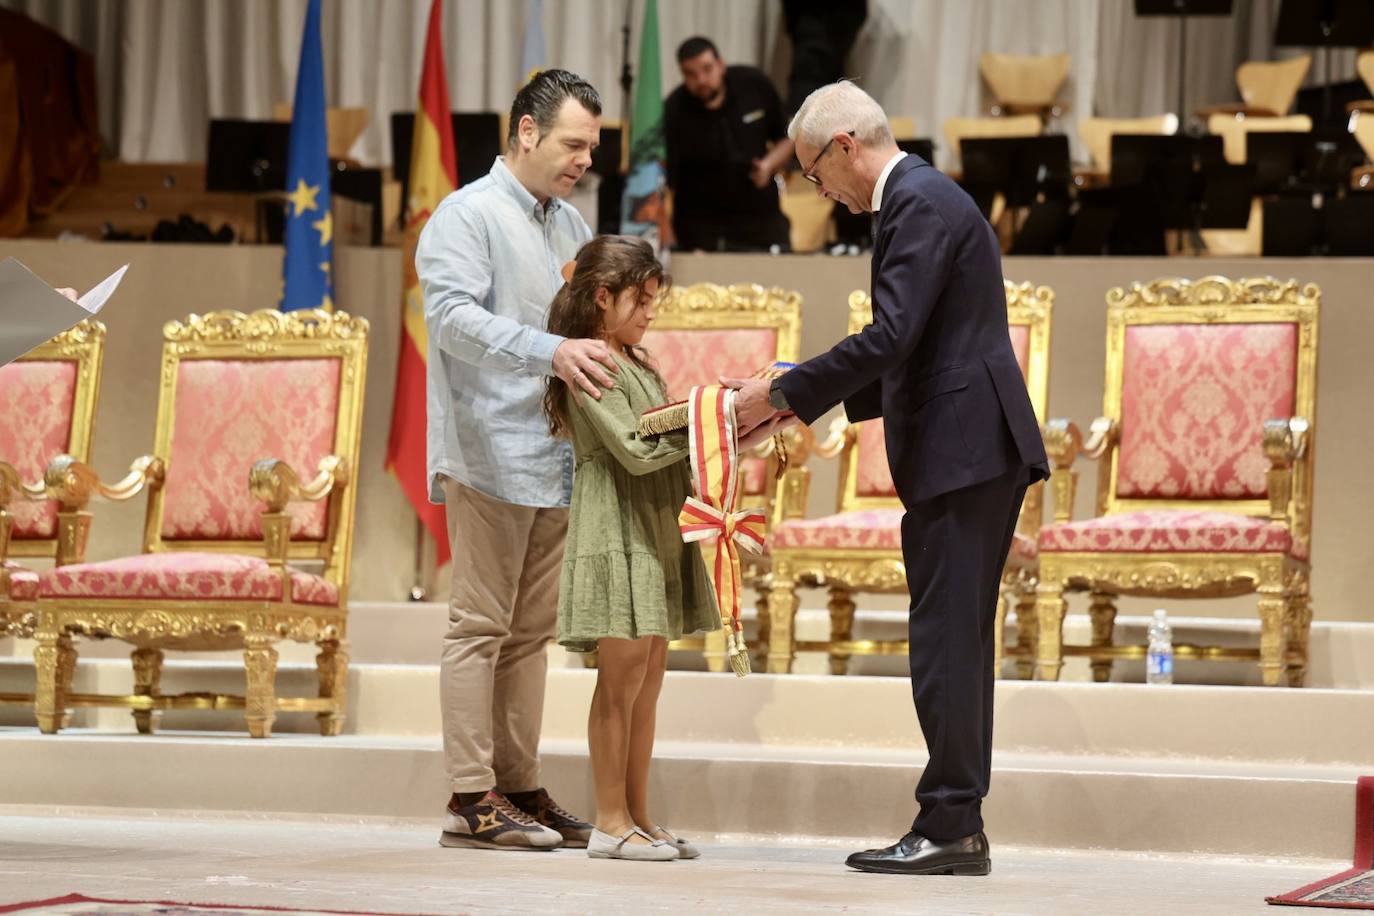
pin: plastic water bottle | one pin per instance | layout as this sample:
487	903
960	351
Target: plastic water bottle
1159	663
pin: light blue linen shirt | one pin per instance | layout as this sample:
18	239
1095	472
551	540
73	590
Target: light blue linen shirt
489	262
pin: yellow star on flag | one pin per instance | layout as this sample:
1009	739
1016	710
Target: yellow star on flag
303	198
325	225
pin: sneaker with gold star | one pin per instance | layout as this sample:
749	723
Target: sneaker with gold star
493	822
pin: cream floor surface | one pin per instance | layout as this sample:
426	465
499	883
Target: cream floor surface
399	868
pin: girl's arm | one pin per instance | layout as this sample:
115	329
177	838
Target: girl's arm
617	426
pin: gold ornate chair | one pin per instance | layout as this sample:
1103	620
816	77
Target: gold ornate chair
859	549
248	404
1205	452
47	408
705	331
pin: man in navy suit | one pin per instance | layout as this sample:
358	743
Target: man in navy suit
962	442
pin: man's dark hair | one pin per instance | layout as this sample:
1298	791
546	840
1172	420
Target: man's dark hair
544	94
695	47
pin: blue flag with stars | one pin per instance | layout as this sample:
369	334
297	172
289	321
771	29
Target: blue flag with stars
309	232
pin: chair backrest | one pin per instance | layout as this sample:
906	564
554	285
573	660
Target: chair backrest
1097	133
1362	126
903	127
705	331
47	408
238	388
1194	369
1272	85
1025	81
956	129
343	126
1364	66
1233	130
865	478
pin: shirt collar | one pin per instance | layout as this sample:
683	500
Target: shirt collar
882	179
503	176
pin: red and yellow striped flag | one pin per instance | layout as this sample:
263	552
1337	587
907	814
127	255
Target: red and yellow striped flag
433	175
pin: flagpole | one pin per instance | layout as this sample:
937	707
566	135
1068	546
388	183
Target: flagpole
626	74
417	584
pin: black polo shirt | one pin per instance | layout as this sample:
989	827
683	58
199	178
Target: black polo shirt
710	153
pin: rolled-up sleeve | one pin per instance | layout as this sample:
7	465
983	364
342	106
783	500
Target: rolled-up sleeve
453	262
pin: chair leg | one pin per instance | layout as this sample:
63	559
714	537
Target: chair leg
147	683
260	669
765	623
1273	613
782	611
841	607
1027	633
1300	616
713	650
54	661
1102	610
332	665
1050	607
999	629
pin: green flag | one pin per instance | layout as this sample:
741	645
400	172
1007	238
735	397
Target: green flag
643	211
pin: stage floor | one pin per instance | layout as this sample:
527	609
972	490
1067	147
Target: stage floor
400	868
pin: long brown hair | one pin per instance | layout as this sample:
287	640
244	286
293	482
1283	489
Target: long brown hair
611	262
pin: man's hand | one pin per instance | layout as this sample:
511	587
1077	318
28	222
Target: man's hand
761	173
68	292
751	404
579	364
760	434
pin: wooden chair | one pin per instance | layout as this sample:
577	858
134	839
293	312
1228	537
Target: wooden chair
1025	85
1205	463
248	404
957	129
1267	88
47	408
1233	129
859	548
705	331
1097	133
343	126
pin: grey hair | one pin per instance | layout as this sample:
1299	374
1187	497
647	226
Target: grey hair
838	108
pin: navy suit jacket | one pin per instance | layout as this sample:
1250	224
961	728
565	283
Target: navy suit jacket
936	363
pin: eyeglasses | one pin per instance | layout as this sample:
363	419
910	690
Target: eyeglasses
809	172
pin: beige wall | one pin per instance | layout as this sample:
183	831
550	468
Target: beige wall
168	281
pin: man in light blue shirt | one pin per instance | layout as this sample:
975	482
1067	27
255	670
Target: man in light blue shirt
489	263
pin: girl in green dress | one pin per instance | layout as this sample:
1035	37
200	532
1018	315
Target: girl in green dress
629	584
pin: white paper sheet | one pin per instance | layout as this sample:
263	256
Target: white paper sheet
31	311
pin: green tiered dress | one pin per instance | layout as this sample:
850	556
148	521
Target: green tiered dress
626	572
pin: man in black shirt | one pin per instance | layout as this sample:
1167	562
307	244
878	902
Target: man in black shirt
719	125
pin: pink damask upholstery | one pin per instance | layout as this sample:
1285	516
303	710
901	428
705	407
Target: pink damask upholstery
687	357
35	426
184	576
23	582
1170	531
1193	405
862	529
231	413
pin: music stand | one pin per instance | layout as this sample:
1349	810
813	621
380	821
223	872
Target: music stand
364	186
1326	24
476	138
247	155
919	146
1026	170
1226	194
1182	9
1173	169
1348	222
1290	227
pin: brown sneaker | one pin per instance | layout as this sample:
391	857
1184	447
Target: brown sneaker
546	811
494	823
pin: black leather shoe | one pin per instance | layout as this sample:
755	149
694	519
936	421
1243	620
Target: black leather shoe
914	854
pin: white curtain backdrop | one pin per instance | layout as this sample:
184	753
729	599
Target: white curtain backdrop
166	67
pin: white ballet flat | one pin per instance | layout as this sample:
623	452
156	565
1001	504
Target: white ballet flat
685	850
604	846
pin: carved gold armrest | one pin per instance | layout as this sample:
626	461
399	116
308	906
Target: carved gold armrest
13	488
1285	441
1064	445
73	483
275	483
841	433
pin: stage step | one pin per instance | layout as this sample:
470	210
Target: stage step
712	789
